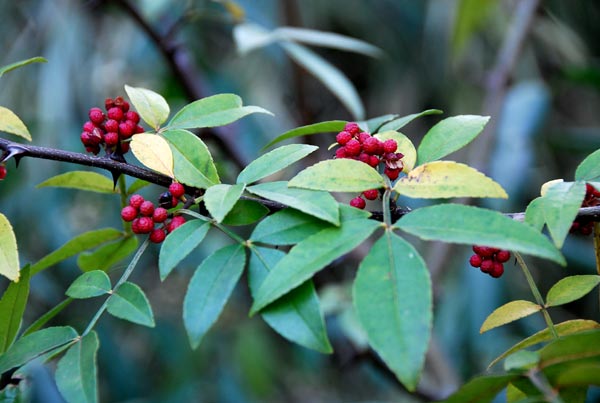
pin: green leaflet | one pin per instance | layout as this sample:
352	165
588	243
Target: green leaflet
571	289
179	244
81	180
129	302
9	257
316	128
91	284
107	255
12	307
400	122
152	107
561	203
76	372
287	227
220	199
338	175
589	168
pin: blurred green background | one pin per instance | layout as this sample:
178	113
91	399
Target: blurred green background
443	54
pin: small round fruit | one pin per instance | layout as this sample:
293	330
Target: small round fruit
358	202
343	137
486	265
147	208
111	139
129	213
352	128
392	173
96	116
353	148
2	172
503	256
390	146
176	189
175	223
160	215
475	260
484	251
133	116
145	225
115	113
158	235
497	270
371	194
371	145
136	200
111	125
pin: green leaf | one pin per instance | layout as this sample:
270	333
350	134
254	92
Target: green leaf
274	161
571	288
129	302
577	346
338	175
82	180
193	163
80	243
154	152
534	214
330	126
471	15
152	107
10	123
12	307
329	75
210	288
297	315
372	125
509	313
449	135
310	256
245	212
9	257
287	227
216	110
580	375
561	204
21	63
456	223
107	255
318	204
220	199
405	146
179	244
45	318
563	329
76	372
28	347
91	284
481	389
446	179
522	360
589	168
392	296
399	123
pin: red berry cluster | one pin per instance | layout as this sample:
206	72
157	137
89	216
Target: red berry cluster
2	171
112	128
361	146
489	260
585	226
143	215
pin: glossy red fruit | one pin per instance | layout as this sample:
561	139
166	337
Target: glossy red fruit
111	125
175	223
341	153
392	173
371	145
484	251
145	225
158	235
96	116
88	126
133	116
2	172
371	194
136	200
352	128
475	260
497	270
115	114
390	146
343	137
147	208
111	139
358	202
129	213
109	103
502	256
486	265
176	189
160	215
126	129
353	148
363	136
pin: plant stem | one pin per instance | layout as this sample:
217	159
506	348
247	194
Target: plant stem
123	279
123	194
541	383
597	251
536	293
387	216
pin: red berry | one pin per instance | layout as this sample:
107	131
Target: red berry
96	136
109	103
2	172
145	225
371	145
486	265
158	235
135	226
363	136
374	161
93	149
136	200
86	139
343	137
88	126
111	125
364	157
392	173
503	256
371	194
124	148
475	260
138	129
96	116
160	215
497	270
147	208
125	106
341	153
111	139
358	202
126	129
175	223
129	213
115	113
352	128
353	148
390	146
174	202
483	251
176	189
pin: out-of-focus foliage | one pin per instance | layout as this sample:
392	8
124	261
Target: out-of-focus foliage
437	54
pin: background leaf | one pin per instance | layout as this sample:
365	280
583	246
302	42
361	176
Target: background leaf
327	39
193	163
589	168
76	371
274	161
21	63
338	175
449	135
154	152
9	257
456	223
152	107
210	288
216	110
561	203
392	296
12	307
10	123
399	123
509	313
220	199
534	214
179	244
331	126
296	316
107	255
129	302
81	180
91	284
446	179
287	227
480	389
245	212
571	288
405	146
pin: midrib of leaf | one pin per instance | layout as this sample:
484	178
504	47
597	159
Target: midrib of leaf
218	277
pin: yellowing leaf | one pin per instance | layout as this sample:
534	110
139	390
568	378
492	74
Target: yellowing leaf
10	123
154	152
152	107
405	146
548	185
508	313
9	258
445	179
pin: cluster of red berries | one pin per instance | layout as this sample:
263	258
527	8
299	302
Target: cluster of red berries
143	215
489	260
110	129
585	226
361	146
2	171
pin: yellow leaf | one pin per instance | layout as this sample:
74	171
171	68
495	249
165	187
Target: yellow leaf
445	179
10	123
548	185
154	152
405	146
508	313
9	257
